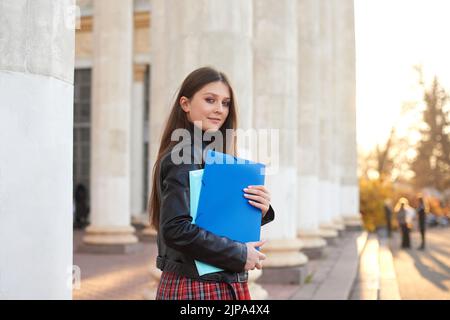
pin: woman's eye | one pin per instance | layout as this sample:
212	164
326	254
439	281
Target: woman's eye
225	103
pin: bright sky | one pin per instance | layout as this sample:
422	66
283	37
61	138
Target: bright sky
391	37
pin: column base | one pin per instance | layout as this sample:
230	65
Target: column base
148	234
257	292
329	226
139	220
283	253
109	240
152	289
285	263
329	234
284	275
353	223
110	248
313	244
339	224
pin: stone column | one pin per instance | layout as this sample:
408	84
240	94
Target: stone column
257	292
309	127
186	36
336	124
37	49
327	226
110	229
137	146
345	29
275	98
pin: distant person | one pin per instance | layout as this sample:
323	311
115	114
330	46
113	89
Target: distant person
422	210
81	207
404	217
388	216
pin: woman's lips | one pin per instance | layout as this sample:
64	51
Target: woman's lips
216	121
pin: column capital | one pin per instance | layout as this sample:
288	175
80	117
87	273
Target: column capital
139	72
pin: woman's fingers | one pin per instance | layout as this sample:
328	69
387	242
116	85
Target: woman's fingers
263	207
260	197
261	257
254	257
258	190
257	198
259	243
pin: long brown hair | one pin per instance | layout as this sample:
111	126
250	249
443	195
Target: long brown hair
177	119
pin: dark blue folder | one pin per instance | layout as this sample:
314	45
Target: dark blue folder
222	207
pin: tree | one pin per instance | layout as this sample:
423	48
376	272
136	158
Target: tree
388	161
432	163
372	196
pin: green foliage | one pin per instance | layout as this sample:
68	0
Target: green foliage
309	278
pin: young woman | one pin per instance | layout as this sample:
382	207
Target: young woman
204	102
405	216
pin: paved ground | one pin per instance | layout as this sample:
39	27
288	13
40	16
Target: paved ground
424	274
113	277
376	276
387	272
122	277
333	275
376	269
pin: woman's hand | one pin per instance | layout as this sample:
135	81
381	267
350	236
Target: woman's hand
259	197
254	257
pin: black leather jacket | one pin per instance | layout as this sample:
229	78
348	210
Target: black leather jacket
180	242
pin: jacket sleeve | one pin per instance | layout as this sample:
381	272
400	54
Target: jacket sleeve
178	231
270	216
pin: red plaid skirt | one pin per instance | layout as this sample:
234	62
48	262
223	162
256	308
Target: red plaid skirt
176	287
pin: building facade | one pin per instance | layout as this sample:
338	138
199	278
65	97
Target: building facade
291	63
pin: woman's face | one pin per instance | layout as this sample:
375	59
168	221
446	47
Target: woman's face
209	106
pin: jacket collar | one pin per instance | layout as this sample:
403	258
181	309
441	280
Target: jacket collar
197	140
197	137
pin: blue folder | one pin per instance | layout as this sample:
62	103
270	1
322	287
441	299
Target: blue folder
222	207
225	210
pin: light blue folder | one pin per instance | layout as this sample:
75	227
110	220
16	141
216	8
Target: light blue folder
195	184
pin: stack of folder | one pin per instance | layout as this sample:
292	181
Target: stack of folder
217	201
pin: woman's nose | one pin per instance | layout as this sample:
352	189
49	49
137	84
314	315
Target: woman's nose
220	107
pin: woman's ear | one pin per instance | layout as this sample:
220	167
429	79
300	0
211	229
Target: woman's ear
184	103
